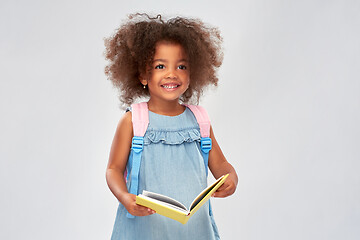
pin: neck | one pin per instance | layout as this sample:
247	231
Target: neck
169	108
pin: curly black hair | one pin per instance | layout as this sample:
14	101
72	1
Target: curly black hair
130	51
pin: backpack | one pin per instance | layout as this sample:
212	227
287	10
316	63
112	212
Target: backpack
140	121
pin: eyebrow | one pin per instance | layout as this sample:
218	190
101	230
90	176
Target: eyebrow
163	60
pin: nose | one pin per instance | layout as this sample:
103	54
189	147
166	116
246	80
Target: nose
171	74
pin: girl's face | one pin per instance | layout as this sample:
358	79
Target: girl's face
170	73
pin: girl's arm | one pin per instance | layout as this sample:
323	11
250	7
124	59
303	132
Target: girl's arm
220	166
119	153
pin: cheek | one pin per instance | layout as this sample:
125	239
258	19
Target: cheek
186	78
188	81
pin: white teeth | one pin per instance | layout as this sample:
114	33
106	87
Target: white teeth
170	87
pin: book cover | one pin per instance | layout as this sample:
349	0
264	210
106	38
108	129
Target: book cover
172	208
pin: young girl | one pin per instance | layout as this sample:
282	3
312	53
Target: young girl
171	62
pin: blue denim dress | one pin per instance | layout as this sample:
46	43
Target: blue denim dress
171	164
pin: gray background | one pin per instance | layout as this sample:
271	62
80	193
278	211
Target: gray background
286	114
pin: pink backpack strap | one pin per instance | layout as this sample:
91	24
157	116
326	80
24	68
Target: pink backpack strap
140	118
204	124
205	143
202	119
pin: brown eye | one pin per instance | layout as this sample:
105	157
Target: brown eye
160	66
182	67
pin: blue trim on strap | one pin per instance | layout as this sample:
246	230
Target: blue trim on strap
137	148
210	209
206	146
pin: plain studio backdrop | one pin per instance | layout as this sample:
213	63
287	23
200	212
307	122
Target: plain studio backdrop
286	114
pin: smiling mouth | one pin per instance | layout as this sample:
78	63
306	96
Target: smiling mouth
170	86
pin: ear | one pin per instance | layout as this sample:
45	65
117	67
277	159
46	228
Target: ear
143	80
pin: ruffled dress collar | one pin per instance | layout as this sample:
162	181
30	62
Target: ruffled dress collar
172	129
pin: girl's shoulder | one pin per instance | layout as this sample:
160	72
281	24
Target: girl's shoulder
125	123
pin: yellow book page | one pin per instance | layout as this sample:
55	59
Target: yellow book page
206	194
160	208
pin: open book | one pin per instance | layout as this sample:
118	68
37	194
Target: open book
173	209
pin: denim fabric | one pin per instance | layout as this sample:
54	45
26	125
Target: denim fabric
172	165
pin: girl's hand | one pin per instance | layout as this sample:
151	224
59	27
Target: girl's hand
227	189
134	209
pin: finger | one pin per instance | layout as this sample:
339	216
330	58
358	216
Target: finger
225	192
143	211
150	211
220	189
